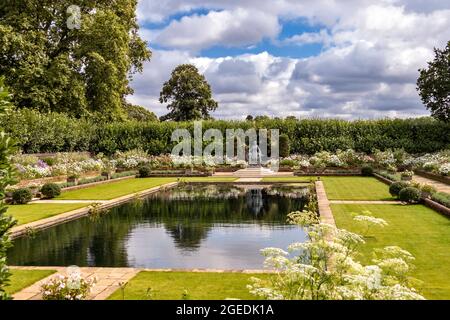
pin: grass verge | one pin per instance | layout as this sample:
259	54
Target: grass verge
417	229
36	211
197	286
113	190
21	279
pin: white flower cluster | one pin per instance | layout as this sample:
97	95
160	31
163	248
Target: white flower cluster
325	267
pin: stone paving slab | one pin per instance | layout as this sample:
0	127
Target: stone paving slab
108	281
326	215
249	180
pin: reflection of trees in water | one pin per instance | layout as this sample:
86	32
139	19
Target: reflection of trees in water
187	220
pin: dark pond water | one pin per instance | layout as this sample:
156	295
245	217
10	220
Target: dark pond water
194	226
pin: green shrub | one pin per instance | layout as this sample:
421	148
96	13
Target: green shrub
50	190
396	187
145	171
118	175
288	163
442	198
367	171
285	148
49	161
59	132
409	195
22	196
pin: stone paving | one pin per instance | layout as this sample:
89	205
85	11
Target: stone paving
326	215
108	281
249	180
440	187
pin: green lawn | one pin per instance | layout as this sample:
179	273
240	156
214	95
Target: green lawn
116	189
31	212
356	188
418	229
345	188
20	279
199	286
289	179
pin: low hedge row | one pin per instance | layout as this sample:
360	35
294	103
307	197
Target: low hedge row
53	132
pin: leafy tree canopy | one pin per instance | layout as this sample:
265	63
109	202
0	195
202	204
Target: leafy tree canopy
188	94
140	114
50	65
434	85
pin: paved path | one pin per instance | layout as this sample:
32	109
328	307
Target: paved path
440	187
249	180
326	215
108	281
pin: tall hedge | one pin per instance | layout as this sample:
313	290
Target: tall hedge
54	132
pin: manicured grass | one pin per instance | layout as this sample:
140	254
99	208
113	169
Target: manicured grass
21	279
418	229
289	179
355	188
31	212
199	286
116	189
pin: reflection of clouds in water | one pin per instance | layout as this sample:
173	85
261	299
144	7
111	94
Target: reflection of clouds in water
227	246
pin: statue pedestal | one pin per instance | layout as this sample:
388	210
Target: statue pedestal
253	172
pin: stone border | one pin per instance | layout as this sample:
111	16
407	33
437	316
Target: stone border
42	224
383	179
326	215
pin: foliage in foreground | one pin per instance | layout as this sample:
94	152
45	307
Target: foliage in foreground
325	267
69	287
6	178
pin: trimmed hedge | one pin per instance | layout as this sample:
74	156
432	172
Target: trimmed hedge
397	187
50	190
22	196
53	132
409	195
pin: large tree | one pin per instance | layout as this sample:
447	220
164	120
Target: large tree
188	94
434	85
140	114
53	64
6	178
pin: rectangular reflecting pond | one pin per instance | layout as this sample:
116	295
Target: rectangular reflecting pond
190	226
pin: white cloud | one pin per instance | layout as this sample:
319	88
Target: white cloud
368	68
229	28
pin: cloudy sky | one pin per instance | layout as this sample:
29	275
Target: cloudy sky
308	58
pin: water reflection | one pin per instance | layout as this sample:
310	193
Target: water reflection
190	226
